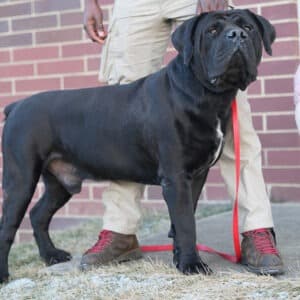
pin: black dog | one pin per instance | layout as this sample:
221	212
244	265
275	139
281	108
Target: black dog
163	129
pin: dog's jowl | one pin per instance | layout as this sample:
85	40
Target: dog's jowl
164	129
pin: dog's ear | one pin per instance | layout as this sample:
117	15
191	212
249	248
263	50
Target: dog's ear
267	31
183	38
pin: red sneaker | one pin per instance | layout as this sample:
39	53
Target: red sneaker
259	252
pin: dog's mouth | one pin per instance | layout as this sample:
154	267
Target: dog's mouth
237	73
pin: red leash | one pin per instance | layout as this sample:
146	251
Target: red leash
235	218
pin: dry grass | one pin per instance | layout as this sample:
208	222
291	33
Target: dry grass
143	279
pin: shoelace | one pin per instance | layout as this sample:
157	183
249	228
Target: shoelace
104	239
263	241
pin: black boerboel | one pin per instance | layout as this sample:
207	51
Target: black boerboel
163	129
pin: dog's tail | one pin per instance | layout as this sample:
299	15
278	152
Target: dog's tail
8	109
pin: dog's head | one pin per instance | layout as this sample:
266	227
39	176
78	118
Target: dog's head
224	48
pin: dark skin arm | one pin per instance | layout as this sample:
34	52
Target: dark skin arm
210	5
93	17
93	21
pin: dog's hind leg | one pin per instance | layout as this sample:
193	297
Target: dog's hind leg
54	197
19	182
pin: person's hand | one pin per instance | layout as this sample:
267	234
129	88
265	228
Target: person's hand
297	116
210	5
93	21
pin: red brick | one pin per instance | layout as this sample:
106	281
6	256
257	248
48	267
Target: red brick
285	48
282	175
36	53
15	10
285	194
5	100
281	67
37	84
61	35
14	40
81	81
284	158
4	56
288	29
272	104
281	122
16	70
279	140
55	5
34	23
280	11
255	87
279	86
81	49
60	67
26	223
93	64
98	192
5	87
216	193
257	122
86	208
73	18
214	175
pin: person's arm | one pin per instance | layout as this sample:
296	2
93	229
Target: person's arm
297	97
93	21
209	5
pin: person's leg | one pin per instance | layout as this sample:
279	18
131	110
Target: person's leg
254	205
258	247
135	47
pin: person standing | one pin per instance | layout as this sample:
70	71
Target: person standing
134	46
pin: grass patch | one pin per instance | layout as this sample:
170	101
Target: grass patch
143	279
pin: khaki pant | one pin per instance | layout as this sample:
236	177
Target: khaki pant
138	36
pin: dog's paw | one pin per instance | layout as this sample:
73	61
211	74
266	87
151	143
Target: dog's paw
195	266
56	256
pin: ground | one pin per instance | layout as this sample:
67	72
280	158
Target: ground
153	277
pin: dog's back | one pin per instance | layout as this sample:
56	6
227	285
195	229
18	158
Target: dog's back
9	108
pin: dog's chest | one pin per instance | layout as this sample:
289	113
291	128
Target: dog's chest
219	143
203	148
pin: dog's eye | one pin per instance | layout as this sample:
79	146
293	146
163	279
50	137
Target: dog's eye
247	27
213	30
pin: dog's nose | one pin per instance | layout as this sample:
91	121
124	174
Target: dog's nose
236	34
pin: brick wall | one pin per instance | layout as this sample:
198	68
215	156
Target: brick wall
43	46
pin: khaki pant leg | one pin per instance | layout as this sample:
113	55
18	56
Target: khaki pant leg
254	205
136	45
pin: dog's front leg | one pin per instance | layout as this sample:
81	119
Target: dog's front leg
197	186
177	192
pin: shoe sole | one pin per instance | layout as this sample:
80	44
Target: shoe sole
274	271
128	256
